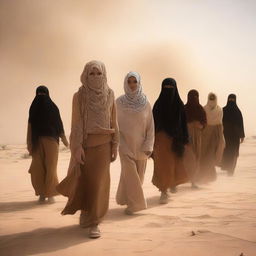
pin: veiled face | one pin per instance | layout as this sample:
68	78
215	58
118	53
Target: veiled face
95	78
193	97
169	86
132	83
95	72
232	99
212	97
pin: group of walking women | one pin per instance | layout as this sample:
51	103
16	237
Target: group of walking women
186	143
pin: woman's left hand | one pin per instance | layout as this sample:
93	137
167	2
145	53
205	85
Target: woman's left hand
113	154
65	141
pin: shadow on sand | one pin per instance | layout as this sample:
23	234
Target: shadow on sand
19	206
42	240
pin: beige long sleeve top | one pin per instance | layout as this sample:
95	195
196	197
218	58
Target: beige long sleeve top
136	131
101	137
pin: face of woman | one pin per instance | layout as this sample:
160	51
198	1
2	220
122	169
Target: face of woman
95	73
132	83
212	97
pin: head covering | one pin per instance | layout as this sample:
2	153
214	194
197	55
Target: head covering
96	86
133	100
232	118
194	111
44	116
169	115
42	90
95	99
213	111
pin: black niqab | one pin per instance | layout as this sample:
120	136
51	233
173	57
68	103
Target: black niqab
169	115
233	119
44	116
194	110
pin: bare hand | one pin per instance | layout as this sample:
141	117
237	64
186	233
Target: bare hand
80	156
113	154
65	141
29	148
241	140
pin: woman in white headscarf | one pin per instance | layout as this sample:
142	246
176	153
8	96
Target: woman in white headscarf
93	144
213	142
136	127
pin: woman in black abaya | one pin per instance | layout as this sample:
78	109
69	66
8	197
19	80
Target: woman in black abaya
233	133
44	129
170	139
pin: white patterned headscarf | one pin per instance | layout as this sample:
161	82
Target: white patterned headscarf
133	100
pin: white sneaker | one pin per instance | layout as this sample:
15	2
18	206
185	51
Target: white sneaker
163	198
94	232
51	200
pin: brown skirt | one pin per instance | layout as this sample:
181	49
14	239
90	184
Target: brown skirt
169	169
193	151
91	189
43	168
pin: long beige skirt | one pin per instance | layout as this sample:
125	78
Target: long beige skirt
43	168
91	188
130	191
213	144
169	170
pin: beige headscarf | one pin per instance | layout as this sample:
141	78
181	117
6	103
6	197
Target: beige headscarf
95	100
214	113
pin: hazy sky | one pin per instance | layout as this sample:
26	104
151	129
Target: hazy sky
208	45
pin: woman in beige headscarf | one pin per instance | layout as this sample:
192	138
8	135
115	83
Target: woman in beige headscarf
93	144
213	142
136	126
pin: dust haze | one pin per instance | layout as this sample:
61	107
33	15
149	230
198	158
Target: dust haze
206	45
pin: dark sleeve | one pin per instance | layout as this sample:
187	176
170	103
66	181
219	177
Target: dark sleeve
204	119
184	127
61	124
156	116
58	122
241	132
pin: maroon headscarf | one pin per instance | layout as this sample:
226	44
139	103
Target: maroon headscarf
194	111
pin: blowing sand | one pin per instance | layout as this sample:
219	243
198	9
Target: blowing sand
219	219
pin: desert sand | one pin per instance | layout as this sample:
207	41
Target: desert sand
219	219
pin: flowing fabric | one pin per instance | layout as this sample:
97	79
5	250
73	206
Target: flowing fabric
233	132
233	119
94	131
96	100
213	141
169	115
44	117
169	169
136	128
195	111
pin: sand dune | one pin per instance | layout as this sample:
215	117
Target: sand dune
216	220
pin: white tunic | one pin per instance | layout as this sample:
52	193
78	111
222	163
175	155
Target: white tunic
136	131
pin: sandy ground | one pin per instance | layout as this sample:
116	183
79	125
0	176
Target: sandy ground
219	219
